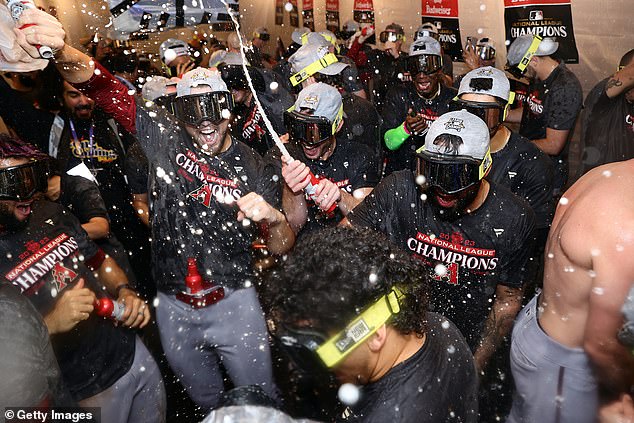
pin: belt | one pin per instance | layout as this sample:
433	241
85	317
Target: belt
202	299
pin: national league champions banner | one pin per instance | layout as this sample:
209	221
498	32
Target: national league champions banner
332	16
141	16
547	18
308	16
444	14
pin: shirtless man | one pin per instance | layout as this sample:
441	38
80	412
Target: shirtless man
560	362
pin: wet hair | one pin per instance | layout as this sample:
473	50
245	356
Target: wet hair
627	58
11	147
450	142
332	275
332	80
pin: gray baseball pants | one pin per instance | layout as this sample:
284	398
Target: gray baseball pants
231	333
554	383
138	395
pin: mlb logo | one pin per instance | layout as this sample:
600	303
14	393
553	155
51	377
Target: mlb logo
536	15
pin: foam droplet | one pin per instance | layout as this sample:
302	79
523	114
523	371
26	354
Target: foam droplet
348	394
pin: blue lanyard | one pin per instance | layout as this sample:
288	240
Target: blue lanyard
91	139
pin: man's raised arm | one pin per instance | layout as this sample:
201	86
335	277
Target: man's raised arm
79	69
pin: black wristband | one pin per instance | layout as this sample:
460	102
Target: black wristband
124	286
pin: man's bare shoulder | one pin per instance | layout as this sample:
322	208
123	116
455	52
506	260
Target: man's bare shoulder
597	213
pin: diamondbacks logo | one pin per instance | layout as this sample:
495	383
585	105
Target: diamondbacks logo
202	194
455	252
455	124
62	276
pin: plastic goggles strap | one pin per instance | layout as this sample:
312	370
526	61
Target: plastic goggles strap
532	49
485	165
508	105
313	68
339	346
338	118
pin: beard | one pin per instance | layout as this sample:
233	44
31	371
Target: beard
9	222
463	199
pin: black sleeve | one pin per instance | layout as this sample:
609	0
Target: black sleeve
515	271
136	169
27	363
395	108
565	102
82	197
89	249
31	124
367	174
153	125
371	212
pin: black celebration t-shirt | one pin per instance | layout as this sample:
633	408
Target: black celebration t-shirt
193	200
477	251
46	258
399	99
351	166
437	384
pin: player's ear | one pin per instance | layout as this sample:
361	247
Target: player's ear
377	340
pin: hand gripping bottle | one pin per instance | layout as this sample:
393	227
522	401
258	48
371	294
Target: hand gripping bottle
105	307
312	187
199	293
17	7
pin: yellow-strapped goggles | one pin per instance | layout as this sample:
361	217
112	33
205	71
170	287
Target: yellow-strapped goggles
310	130
519	69
313	68
365	325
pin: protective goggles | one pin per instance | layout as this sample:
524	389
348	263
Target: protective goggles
491	113
425	63
485	52
20	183
454	174
325	61
393	37
310	130
313	350
166	101
263	37
196	108
519	69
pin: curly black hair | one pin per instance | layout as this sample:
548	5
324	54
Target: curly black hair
333	274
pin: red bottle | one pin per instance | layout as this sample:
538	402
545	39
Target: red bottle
105	307
312	187
199	292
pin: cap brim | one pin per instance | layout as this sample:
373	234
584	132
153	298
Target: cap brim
334	69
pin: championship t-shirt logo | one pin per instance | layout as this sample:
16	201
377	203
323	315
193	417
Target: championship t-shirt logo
62	276
535	103
455	124
202	194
